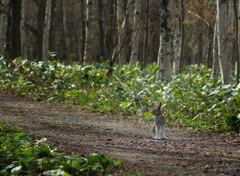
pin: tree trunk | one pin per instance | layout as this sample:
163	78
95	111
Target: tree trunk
109	37
177	40
136	31
125	30
237	39
120	27
101	31
89	31
83	31
225	61
40	28
200	40
216	69
47	29
210	47
145	54
164	53
15	42
65	31
52	27
112	38
183	37
8	37
23	32
230	15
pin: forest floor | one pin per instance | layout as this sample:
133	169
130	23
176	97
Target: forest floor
126	138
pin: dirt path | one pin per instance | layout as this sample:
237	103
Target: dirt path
185	153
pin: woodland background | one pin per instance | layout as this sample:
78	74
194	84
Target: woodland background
119	57
173	33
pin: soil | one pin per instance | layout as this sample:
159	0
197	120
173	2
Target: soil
126	138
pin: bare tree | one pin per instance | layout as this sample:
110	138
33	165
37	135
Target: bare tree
145	51
136	31
177	38
15	39
237	38
112	38
23	32
52	27
40	27
65	31
47	29
225	61
183	36
38	33
164	53
216	69
89	31
200	37
83	30
120	17
101	30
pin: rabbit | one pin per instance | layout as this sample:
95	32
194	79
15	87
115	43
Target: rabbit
159	123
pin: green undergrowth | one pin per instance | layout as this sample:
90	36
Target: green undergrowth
22	154
190	99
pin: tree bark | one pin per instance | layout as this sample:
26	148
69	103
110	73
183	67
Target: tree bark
225	61
210	47
83	31
164	53
126	29
40	28
177	39
109	37
200	40
145	54
65	31
8	37
183	37
89	31
230	14
52	27
136	31
237	39
120	27
112	37
47	29
15	42
216	69
23	32
101	31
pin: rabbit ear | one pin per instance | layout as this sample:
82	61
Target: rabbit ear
160	105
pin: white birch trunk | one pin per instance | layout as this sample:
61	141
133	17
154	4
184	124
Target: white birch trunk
46	29
65	31
224	60
89	32
136	32
177	40
164	53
